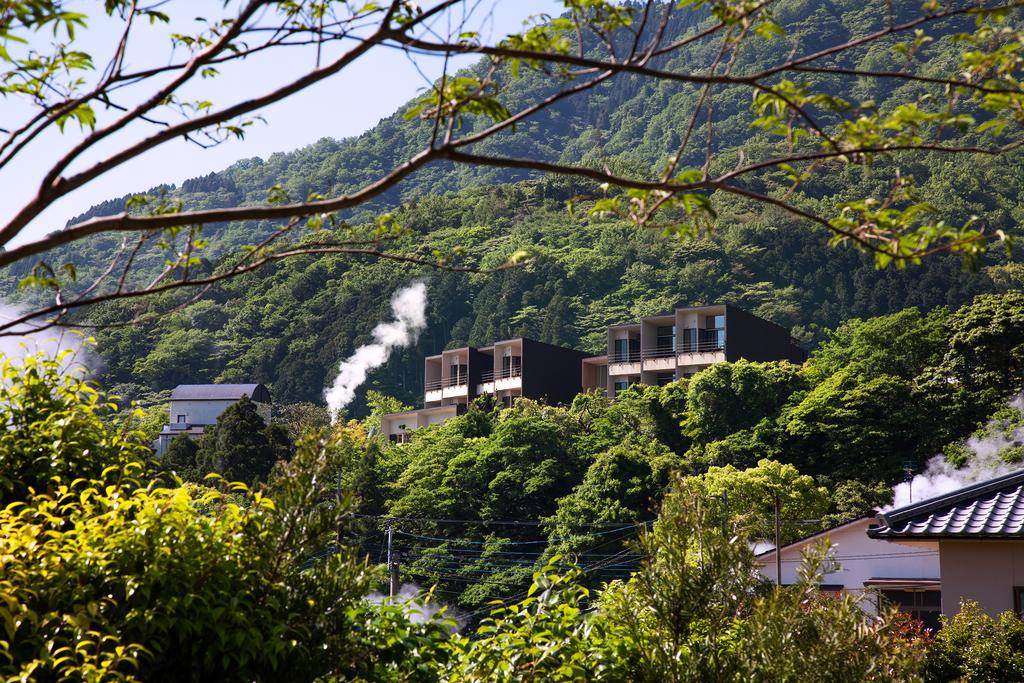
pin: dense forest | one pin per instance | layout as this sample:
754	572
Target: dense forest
600	540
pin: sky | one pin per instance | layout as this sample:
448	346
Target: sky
344	105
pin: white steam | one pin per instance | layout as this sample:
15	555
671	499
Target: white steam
409	306
941	477
418	610
27	339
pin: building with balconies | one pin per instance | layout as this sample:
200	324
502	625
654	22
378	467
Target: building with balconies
663	348
506	370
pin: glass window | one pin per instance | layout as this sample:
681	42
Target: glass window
458	373
925	605
626	350
621	385
663	378
511	366
182	418
666	338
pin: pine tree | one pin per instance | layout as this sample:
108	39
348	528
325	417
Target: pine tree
180	457
238	447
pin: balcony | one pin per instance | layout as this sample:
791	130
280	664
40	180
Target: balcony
658	359
501	380
624	363
702	341
446	387
701	347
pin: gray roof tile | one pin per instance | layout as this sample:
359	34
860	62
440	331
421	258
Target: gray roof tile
220	392
989	509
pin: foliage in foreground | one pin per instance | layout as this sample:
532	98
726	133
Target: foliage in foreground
108	572
973	646
129	574
695	611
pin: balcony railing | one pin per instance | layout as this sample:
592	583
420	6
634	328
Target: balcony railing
504	373
697	341
661	352
624	357
445	382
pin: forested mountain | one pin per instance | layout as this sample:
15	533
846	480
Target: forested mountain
289	324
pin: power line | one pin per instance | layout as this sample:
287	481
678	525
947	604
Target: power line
503	522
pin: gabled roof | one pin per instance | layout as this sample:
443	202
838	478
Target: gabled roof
814	535
989	509
220	392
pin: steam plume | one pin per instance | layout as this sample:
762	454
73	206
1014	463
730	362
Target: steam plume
409	308
417	608
941	477
25	340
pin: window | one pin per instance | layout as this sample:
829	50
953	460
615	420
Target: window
626	350
925	605
714	335
457	374
511	366
666	339
182	419
663	378
621	385
1018	601
689	340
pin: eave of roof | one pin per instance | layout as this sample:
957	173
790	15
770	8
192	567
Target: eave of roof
816	534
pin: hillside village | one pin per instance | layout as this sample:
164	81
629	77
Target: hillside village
888	557
546	340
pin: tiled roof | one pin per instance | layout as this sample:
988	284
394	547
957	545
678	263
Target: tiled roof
220	392
989	509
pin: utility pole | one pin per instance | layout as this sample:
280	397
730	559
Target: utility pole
778	548
725	514
392	564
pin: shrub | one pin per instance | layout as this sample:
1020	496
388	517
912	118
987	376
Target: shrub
114	574
973	646
51	428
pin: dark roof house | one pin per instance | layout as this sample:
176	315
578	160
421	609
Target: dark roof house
220	392
873	571
197	406
979	532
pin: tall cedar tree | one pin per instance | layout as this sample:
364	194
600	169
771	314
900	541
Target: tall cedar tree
241	447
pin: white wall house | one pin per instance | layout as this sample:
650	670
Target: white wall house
870	569
197	406
979	534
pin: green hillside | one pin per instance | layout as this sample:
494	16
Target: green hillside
290	324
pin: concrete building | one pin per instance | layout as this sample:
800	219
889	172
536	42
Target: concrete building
656	350
664	348
872	570
978	532
505	370
197	406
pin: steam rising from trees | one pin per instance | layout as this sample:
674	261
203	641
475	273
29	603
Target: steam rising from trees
409	307
986	462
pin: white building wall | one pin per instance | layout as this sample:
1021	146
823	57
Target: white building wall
857	560
206	412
